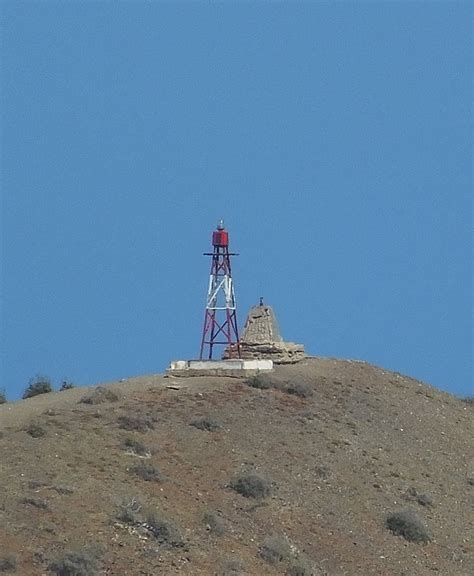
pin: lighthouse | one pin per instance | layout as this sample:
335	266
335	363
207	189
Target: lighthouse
220	324
220	318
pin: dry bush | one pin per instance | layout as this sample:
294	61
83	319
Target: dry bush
408	524
422	499
206	423
300	567
82	563
213	523
128	511
425	499
38	385
66	386
8	563
148	472
3	398
136	447
275	549
251	485
99	395
64	490
36	502
137	422
259	382
164	531
299	389
35	430
231	567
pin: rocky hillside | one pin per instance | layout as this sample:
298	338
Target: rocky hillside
326	467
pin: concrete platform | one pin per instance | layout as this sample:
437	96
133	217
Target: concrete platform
234	367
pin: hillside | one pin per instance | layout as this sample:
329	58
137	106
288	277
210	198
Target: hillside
145	479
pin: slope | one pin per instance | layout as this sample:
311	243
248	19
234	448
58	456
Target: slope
144	477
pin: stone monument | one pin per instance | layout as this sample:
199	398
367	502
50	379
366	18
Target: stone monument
261	339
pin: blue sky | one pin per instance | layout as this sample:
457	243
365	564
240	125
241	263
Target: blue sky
333	138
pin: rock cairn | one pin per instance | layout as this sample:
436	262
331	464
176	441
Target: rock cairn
261	338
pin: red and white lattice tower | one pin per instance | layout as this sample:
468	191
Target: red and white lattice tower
220	321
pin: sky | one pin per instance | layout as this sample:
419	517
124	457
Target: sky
333	138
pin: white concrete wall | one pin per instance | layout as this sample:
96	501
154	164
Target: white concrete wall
236	364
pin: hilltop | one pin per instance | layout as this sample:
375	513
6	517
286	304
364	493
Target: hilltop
295	474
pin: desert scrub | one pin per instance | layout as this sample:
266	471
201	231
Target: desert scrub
423	499
37	385
8	563
164	531
3	398
128	511
36	503
275	549
299	389
231	567
258	381
66	385
136	447
82	563
206	423
213	522
99	395
148	472
251	485
137	422
408	524
300	567
35	430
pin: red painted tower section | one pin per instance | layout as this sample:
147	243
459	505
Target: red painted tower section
220	320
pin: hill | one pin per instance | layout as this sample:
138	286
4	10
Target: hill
326	467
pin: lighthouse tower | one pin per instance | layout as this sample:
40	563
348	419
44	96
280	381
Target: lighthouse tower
220	320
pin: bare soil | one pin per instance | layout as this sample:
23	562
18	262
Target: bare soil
340	445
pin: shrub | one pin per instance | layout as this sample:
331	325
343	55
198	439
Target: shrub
163	530
299	389
35	430
300	567
147	472
99	395
275	549
36	502
128	511
206	424
64	490
3	398
408	524
425	499
469	400
259	382
38	385
80	563
135	447
135	422
214	523
251	485
8	563
422	499
66	386
232	567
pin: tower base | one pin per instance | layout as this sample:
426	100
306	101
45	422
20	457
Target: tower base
235	368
